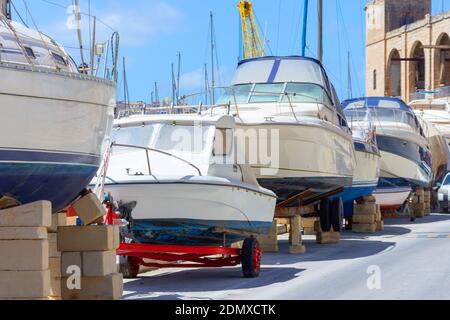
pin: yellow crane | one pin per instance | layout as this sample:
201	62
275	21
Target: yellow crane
253	46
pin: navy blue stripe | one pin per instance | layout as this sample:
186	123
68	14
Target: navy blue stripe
273	73
43	156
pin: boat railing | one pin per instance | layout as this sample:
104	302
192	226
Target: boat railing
147	150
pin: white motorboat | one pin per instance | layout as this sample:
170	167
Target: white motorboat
368	158
405	151
178	176
291	126
55	120
437	113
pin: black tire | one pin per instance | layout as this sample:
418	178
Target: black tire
129	267
251	258
324	215
337	214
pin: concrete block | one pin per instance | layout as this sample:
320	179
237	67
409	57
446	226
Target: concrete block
36	214
364	218
55	287
53	248
88	238
55	267
297	249
309	222
24	255
69	259
23	233
24	284
99	264
309	231
380	225
364	228
94	288
89	209
269	242
58	220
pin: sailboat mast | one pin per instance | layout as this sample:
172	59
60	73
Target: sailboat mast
174	88
305	27
320	31
206	84
5	8
213	84
349	84
178	77
80	37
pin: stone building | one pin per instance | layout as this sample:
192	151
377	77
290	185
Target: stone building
408	50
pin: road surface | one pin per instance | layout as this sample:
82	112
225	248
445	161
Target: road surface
406	261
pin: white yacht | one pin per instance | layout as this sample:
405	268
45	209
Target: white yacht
178	177
291	126
405	151
54	119
368	158
437	113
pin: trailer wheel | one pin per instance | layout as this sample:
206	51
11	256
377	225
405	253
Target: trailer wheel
129	267
324	215
251	258
337	214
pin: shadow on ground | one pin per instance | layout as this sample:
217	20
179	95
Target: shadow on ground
204	280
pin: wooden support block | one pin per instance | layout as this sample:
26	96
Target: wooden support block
24	255
364	218
328	237
369	199
23	233
309	231
269	242
364	228
378	216
24	284
380	225
295	237
88	238
36	214
309	222
367	208
89	209
69	259
297	249
94	288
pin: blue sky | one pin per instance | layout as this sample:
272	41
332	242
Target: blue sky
154	31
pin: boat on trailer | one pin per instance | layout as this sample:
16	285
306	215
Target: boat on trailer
368	158
176	181
405	151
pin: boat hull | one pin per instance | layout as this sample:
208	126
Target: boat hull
315	156
392	198
404	163
365	181
189	213
53	134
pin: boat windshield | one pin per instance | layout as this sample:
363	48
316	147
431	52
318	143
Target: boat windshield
183	139
134	136
382	114
275	92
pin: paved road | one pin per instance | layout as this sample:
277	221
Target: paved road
406	261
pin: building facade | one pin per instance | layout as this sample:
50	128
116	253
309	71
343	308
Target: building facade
408	50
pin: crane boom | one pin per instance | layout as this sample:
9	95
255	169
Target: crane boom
253	46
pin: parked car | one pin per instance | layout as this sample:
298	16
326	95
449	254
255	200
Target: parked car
443	193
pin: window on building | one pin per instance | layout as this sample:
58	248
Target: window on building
374	79
30	52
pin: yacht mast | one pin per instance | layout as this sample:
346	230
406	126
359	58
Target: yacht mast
5	7
213	98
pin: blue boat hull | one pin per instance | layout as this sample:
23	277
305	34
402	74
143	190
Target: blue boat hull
58	183
351	194
192	232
